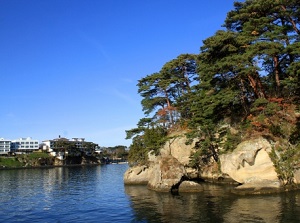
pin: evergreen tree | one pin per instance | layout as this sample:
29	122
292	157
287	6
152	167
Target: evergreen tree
272	31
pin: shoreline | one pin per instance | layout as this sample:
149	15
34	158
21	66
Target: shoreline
49	166
54	166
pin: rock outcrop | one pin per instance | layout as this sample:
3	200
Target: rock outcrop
166	173
249	162
248	165
137	175
178	148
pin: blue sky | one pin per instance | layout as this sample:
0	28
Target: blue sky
70	67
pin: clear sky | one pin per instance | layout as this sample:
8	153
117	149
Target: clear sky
70	67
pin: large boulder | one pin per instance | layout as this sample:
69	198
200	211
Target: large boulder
165	174
250	163
136	175
178	148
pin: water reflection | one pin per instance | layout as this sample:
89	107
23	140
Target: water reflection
265	209
42	188
98	194
214	204
189	207
64	194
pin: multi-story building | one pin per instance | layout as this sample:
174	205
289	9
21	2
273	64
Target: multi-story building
4	146
79	141
24	145
60	147
50	146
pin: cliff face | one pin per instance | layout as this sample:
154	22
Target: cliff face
167	171
249	164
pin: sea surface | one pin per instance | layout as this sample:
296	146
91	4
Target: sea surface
97	194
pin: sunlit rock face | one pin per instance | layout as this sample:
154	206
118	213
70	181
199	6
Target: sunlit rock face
179	149
165	173
137	175
250	162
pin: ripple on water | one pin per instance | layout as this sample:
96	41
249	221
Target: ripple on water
97	194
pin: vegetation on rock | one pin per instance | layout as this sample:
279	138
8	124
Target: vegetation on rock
245	81
26	160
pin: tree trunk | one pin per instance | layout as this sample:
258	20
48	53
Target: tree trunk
277	80
256	85
168	107
243	97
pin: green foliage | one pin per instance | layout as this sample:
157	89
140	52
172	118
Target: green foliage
276	130
258	103
36	155
213	141
262	106
285	161
14	162
10	162
196	160
150	141
74	148
118	151
206	147
295	135
64	145
137	151
163	90
272	108
231	141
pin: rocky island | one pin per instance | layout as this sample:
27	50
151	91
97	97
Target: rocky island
229	114
249	167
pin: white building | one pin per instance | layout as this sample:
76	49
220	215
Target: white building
79	142
4	146
50	146
24	145
78	145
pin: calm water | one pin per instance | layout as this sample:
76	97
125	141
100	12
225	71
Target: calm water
97	194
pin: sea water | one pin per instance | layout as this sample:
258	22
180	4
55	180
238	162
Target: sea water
97	194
